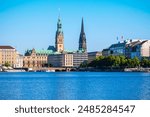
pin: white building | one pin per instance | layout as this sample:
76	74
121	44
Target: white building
61	60
130	49
67	59
138	49
19	61
79	58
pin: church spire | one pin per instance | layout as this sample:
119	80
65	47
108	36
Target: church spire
82	39
82	26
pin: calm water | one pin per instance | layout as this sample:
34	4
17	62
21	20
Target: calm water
75	85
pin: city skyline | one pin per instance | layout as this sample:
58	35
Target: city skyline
24	20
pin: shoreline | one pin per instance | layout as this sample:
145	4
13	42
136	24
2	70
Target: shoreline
83	70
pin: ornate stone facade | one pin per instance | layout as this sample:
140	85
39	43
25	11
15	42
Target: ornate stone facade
35	59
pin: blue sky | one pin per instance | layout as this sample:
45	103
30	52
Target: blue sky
27	24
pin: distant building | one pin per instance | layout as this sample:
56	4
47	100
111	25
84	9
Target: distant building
129	48
82	39
59	39
67	59
19	61
78	58
117	49
7	55
105	52
61	60
57	56
92	55
36	59
138	49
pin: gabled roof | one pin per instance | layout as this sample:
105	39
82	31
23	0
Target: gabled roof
135	43
143	42
6	47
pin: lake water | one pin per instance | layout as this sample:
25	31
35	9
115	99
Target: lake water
75	86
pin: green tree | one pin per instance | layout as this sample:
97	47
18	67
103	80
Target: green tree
136	62
118	62
7	64
132	63
84	64
145	62
123	61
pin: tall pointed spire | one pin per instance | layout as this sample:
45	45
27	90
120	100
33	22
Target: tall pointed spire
82	39
82	26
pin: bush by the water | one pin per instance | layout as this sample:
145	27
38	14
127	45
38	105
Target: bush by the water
119	62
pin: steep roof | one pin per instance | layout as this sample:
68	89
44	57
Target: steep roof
135	43
6	47
143	42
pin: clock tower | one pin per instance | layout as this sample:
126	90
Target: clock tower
59	38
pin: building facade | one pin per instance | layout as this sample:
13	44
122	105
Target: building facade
105	52
61	60
67	59
19	61
138	49
82	39
145	48
8	55
92	55
79	58
129	48
59	38
118	49
35	59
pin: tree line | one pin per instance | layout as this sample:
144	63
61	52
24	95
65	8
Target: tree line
118	62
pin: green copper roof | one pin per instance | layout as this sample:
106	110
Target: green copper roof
69	51
44	52
59	26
